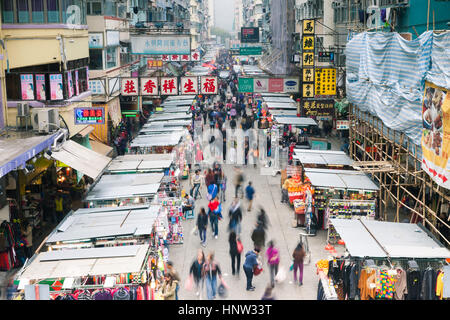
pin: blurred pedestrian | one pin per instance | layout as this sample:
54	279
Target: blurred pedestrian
202	224
298	255
196	271
249	194
238	180
268	294
209	178
251	262
211	270
196	182
235	215
259	236
273	260
234	253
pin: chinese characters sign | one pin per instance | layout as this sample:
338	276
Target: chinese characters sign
129	87
308	27
342	124
208	85
89	115
436	134
249	35
189	85
149	86
154	63
195	56
325	82
318	108
169	86
308	46
161	44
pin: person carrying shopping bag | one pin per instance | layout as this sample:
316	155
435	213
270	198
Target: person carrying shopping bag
250	265
215	214
235	253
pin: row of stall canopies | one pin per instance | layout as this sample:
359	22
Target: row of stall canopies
118	242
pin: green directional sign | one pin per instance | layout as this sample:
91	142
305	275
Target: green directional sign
245	85
250	51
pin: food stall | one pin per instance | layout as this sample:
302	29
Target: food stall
124	189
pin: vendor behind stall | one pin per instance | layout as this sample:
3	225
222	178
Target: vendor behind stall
188	204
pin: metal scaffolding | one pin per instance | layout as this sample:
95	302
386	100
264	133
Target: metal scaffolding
394	162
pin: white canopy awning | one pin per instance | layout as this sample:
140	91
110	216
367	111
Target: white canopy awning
324	157
81	158
157	140
296	121
283	113
380	239
91	223
180	97
94	261
119	186
340	179
169	116
281	105
138	165
168	124
280	99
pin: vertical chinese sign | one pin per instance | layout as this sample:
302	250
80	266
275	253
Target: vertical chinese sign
325	82
436	134
308	46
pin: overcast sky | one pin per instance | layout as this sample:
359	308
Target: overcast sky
224	14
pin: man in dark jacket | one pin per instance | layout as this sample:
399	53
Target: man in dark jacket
235	214
251	261
259	236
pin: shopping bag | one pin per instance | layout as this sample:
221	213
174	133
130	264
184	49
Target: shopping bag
222	291
291	267
281	275
194	230
240	246
189	283
258	269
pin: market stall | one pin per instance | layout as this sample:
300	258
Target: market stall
168	124
322	159
160	143
385	261
342	194
138	164
124	189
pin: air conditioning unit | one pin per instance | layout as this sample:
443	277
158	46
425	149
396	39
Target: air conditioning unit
23	109
44	120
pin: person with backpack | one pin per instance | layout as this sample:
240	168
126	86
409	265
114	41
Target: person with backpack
210	271
273	260
251	262
235	252
202	225
249	194
298	255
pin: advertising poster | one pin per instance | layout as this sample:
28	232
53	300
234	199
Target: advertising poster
69	84
40	87
261	85
436	134
276	85
26	82
91	115
56	87
291	85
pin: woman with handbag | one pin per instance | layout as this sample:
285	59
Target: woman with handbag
235	252
251	265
